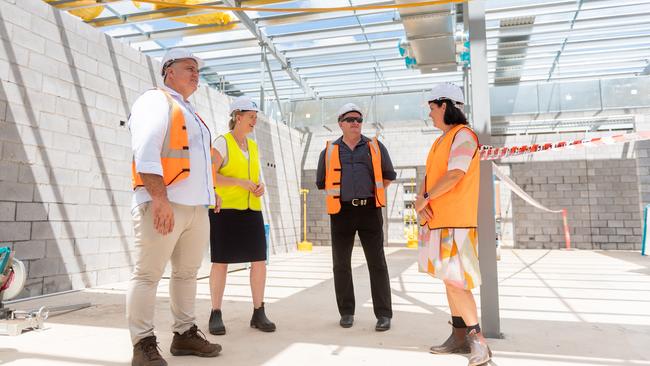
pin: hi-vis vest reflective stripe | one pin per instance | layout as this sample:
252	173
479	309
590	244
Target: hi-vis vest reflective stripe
175	153
457	208
235	197
333	176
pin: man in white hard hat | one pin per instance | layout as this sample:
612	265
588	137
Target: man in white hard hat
355	170
173	181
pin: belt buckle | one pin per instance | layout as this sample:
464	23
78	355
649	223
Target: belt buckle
359	202
355	202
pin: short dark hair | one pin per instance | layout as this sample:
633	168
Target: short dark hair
453	114
167	64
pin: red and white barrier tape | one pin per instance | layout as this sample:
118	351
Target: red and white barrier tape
494	153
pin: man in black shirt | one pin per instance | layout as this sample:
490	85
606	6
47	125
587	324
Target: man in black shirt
355	171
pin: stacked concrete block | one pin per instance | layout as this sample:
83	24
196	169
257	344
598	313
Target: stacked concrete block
598	187
642	151
280	152
318	221
65	154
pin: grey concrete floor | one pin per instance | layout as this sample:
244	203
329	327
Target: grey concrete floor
557	308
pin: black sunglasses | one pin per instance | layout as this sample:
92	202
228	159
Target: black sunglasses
352	119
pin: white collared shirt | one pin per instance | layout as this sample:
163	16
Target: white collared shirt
148	125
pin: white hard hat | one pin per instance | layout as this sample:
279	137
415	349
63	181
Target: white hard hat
347	108
178	54
447	91
243	103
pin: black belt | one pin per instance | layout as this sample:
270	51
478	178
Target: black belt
357	202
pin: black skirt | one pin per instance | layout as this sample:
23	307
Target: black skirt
237	236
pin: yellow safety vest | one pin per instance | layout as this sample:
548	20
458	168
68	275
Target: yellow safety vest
237	166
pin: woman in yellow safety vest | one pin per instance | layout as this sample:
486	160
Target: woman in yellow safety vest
237	231
448	209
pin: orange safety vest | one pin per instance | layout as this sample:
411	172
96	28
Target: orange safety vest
175	153
333	176
457	208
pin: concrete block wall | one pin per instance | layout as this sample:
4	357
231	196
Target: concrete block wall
642	152
599	187
65	156
280	155
318	222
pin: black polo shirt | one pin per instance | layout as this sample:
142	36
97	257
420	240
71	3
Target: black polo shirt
357	179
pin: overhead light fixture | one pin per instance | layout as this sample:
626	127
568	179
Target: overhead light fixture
568	97
278	113
434	69
396	107
634	91
307	115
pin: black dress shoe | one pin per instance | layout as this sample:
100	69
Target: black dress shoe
383	324
346	321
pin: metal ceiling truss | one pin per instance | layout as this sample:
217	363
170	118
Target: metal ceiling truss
613	33
344	31
270	47
177	33
559	7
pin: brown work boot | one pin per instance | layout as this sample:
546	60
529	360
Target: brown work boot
145	353
456	343
193	343
480	352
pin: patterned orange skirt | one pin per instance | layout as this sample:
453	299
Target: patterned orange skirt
451	255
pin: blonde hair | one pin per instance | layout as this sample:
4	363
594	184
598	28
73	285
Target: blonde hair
233	119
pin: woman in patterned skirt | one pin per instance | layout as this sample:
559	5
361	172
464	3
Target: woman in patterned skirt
447	207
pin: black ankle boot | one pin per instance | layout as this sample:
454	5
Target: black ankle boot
260	321
216	326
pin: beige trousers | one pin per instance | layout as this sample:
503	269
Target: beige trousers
185	246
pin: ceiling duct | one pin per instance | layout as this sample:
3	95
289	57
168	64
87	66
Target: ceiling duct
514	31
430	33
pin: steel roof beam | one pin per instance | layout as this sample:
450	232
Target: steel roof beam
179	32
282	19
252	41
310	35
219	45
559	7
343	47
266	42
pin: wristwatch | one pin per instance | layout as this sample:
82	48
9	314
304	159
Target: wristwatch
426	196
